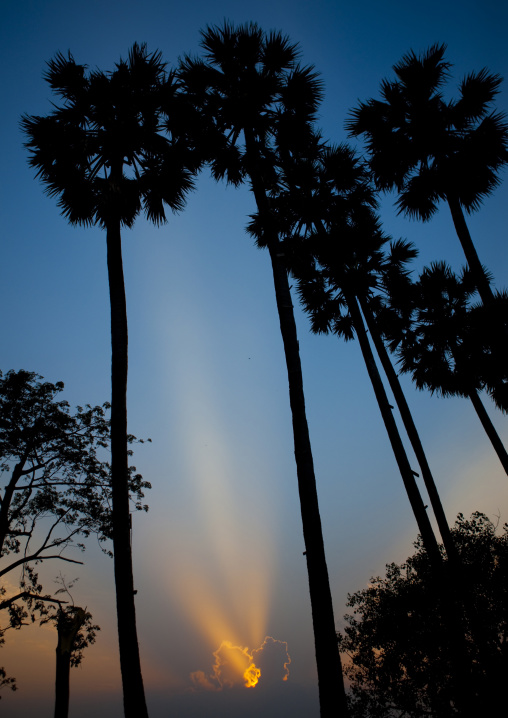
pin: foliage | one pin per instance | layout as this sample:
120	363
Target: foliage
54	486
444	340
254	97
427	147
399	661
64	615
117	144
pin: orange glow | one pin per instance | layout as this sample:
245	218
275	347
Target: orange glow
221	593
236	665
233	665
252	676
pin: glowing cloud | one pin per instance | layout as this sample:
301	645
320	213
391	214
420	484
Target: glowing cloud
273	660
234	666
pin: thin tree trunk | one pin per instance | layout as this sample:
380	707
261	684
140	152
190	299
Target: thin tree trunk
331	684
443	587
415	499
332	696
412	433
482	283
67	628
489	429
132	681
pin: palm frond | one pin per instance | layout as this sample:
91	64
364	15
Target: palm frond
426	73
65	77
477	91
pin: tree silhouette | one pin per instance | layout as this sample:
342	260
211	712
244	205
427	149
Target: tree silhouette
55	490
336	247
430	150
337	262
75	632
110	150
258	101
396	639
437	343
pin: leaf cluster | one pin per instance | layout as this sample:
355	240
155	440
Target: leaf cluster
55	487
117	144
428	148
397	656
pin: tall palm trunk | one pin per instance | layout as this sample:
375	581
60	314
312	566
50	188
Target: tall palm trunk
442	580
332	696
331	685
459	222
412	433
415	499
489	429
132	681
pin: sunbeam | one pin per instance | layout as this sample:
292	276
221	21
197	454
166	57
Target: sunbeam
235	666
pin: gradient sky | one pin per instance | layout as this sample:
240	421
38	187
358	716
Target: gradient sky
219	555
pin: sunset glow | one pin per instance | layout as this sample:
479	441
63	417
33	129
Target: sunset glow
236	665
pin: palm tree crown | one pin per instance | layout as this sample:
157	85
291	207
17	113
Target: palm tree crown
110	149
259	104
428	148
254	94
117	145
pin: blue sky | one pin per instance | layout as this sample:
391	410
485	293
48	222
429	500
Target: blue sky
219	555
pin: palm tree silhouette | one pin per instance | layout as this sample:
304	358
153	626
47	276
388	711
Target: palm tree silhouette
337	263
108	152
335	245
433	340
431	150
258	99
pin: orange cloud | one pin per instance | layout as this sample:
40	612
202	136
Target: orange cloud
235	666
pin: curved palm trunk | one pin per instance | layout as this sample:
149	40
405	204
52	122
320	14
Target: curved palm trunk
484	288
415	499
489	429
412	433
132	681
332	696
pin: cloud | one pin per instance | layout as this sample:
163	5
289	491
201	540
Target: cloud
235	666
273	660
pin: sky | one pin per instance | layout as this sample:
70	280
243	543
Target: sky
218	561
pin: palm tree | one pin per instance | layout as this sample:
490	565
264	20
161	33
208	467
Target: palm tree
336	264
435	342
431	150
258	98
334	241
108	152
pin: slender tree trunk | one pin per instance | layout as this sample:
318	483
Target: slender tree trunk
496	325
412	433
482	283
332	695
490	429
331	684
132	681
67	628
442	584
415	499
